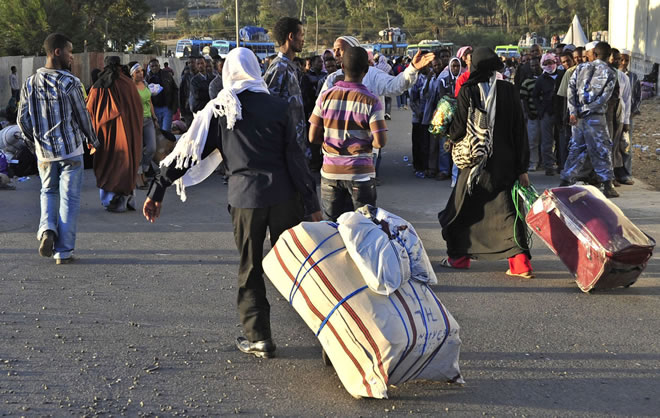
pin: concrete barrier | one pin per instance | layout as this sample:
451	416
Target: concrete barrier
83	65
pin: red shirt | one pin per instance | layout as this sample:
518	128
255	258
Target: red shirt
459	82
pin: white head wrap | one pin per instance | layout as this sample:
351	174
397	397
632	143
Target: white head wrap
626	52
241	72
350	40
135	68
590	45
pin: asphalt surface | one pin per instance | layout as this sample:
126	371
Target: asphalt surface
144	322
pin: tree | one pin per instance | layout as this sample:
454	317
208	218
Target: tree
91	23
182	20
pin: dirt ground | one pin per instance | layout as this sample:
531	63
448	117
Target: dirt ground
646	143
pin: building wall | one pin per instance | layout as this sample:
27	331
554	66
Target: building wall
635	25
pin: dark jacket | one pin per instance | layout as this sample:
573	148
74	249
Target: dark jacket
308	84
199	91
261	157
545	94
169	97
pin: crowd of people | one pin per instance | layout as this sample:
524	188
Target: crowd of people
269	126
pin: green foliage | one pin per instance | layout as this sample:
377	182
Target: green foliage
93	23
182	20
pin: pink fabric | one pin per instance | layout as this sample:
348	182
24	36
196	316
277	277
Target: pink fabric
462	50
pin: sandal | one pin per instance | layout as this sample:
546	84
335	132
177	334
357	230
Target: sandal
524	275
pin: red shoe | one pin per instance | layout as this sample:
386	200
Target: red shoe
461	263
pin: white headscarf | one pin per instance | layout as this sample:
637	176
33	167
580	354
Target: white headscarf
240	72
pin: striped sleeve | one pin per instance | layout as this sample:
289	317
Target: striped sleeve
377	118
317	114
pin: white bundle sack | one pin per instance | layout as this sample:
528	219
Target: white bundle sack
383	262
372	340
386	249
10	141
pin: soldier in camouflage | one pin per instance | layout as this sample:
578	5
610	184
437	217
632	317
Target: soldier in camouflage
282	76
589	91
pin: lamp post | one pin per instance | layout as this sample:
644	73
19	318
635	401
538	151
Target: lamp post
238	39
153	23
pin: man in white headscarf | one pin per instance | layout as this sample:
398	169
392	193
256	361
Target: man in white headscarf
252	134
378	82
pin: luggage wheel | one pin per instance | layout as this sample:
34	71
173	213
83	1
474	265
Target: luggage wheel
326	359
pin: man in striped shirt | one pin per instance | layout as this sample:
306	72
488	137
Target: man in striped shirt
55	122
349	121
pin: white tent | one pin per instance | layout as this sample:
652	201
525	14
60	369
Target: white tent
575	34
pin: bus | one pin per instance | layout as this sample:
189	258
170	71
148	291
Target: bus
387	49
428	45
224	46
190	47
260	49
508	51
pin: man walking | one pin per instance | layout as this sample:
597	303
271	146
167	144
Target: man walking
282	74
55	122
165	103
270	186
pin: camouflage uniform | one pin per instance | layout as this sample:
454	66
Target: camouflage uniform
282	79
589	90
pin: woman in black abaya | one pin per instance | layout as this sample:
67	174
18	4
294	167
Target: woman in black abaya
479	219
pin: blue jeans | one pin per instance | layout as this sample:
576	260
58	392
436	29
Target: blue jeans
164	116
401	100
61	182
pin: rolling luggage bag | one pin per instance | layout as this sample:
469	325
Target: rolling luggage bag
591	236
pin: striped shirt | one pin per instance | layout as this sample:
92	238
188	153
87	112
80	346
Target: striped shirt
350	115
526	89
53	117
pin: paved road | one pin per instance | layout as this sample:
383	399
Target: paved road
144	323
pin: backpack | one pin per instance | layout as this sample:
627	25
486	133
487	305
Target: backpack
474	147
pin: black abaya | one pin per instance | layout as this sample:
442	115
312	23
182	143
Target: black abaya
481	225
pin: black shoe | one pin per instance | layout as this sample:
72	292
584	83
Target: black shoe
564	183
387	116
608	190
261	349
46	243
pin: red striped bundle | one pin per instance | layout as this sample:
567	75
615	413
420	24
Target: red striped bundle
372	340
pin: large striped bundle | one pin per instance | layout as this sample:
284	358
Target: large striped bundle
372	340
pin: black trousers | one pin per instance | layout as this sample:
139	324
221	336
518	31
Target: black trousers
420	147
339	196
250	227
